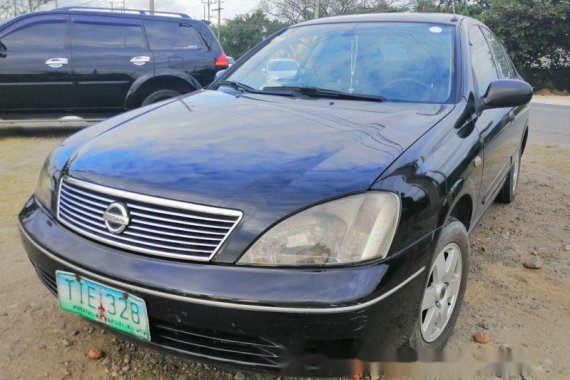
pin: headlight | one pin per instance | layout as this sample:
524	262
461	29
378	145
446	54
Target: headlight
46	182
347	230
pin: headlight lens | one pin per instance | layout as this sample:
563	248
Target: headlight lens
46	182
347	230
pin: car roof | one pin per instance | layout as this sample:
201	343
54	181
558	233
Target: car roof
439	18
127	13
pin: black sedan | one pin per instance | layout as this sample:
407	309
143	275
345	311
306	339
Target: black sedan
312	207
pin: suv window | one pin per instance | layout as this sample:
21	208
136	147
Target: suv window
500	55
482	60
101	32
38	33
164	35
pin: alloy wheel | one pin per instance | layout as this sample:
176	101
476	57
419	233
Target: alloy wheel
441	292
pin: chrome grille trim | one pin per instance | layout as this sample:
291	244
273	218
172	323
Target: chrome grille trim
170	233
179	228
133	206
159	218
158	226
74	196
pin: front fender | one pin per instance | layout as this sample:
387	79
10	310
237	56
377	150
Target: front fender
463	186
431	175
131	98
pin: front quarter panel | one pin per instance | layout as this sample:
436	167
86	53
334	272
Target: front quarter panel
432	175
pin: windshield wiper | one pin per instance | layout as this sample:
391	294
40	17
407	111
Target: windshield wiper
238	86
326	93
280	91
313	92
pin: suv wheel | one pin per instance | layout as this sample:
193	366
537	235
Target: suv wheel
158	96
444	289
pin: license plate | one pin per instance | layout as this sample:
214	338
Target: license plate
101	303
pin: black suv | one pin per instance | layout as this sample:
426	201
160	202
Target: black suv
100	59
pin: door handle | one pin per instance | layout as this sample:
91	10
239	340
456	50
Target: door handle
140	60
56	63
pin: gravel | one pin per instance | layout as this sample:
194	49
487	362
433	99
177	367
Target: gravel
533	262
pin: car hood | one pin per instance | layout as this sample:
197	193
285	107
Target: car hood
265	155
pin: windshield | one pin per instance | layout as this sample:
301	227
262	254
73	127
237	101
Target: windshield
410	62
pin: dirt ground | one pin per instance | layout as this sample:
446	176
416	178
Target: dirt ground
524	311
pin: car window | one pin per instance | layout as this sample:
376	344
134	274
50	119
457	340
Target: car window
400	61
482	60
107	33
164	35
38	33
500	54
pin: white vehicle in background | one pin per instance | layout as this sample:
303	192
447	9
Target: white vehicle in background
278	69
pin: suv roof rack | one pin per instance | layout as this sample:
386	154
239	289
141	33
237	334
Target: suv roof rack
124	11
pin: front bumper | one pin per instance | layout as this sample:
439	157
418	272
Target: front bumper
297	320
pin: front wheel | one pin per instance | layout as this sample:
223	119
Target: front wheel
444	289
158	96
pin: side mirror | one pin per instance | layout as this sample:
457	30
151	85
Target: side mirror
220	73
2	49
507	93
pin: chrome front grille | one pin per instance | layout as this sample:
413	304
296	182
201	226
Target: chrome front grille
157	226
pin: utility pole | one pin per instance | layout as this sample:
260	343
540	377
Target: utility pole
15	9
56	4
219	9
317	7
219	17
151	6
208	5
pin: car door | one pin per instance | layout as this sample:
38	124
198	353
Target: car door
517	115
35	71
109	53
177	45
492	123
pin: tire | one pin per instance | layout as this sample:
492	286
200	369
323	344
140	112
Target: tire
446	302
509	190
158	96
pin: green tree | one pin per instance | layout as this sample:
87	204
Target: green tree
537	35
243	32
295	11
535	32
